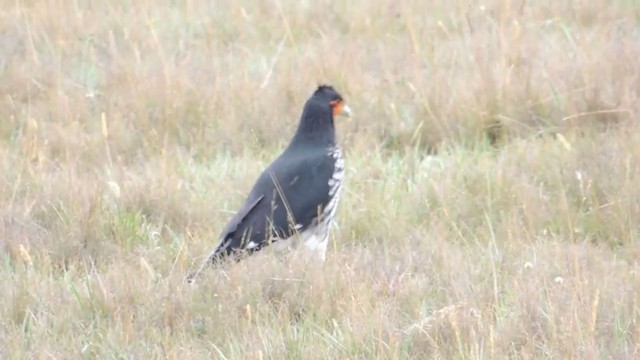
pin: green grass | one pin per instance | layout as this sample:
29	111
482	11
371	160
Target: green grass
490	208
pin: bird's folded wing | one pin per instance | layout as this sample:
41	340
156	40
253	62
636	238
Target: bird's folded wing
235	222
227	236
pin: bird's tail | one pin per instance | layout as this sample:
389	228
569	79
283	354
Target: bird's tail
211	260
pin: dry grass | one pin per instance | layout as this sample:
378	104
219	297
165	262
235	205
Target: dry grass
130	130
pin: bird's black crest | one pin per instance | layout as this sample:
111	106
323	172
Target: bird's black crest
323	87
327	91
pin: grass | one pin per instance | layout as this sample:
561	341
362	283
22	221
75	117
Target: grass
491	202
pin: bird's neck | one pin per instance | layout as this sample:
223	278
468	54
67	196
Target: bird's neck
315	130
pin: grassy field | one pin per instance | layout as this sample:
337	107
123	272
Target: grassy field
492	202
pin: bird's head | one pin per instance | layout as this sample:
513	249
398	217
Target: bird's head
316	124
327	97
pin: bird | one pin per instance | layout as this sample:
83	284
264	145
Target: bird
294	200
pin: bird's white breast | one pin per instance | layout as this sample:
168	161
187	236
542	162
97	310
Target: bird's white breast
335	183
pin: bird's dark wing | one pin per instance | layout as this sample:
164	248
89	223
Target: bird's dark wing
238	218
305	187
287	197
227	240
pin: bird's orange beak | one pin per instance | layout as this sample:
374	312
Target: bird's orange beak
340	108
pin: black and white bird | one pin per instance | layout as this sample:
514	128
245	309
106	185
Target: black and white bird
294	200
